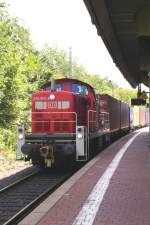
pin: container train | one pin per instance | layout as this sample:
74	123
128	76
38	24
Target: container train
67	118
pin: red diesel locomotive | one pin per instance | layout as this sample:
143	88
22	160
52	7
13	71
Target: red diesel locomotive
67	117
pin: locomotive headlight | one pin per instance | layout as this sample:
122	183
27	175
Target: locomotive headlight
52	97
20	136
20	133
79	136
79	133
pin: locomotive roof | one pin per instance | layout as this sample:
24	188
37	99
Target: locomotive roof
69	80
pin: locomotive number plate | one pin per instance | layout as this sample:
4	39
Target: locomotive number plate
52	105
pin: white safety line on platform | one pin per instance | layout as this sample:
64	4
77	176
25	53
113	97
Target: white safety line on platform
89	210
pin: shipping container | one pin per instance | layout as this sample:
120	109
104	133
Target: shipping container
131	118
136	116
147	117
110	106
125	115
142	116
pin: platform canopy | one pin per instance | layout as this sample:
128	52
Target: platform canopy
124	26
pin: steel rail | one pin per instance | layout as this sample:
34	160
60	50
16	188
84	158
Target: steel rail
27	209
21	197
2	190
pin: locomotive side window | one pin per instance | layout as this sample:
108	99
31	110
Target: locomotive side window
75	88
84	90
79	89
58	87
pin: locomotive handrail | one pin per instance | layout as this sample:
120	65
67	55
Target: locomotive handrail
90	121
88	129
53	112
54	121
106	120
57	121
58	113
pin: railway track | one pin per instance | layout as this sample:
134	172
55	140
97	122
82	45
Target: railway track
12	178
20	197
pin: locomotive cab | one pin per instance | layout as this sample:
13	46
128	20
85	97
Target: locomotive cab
62	116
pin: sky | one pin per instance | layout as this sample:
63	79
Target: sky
67	23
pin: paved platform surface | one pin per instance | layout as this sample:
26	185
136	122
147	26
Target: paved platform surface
112	189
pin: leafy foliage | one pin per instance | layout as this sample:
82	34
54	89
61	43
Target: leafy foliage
23	70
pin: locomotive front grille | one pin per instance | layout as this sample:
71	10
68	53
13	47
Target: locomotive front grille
54	122
61	126
38	126
48	126
65	126
57	126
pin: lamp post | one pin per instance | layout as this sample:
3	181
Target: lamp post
70	63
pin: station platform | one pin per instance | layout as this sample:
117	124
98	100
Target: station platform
112	189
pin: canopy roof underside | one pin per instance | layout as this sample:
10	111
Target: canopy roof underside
118	23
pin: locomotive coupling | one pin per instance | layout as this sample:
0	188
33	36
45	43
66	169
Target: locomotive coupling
48	155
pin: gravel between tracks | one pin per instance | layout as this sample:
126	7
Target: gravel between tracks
7	169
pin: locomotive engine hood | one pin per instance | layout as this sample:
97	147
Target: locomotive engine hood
52	112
